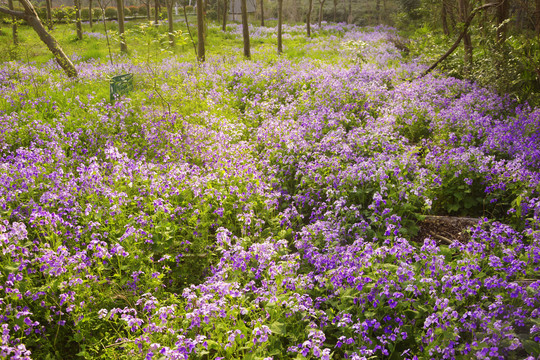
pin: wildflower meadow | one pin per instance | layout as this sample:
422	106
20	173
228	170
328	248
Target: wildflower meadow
266	209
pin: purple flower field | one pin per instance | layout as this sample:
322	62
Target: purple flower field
271	214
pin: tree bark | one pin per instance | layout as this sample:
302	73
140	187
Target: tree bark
170	22
225	12
148	10
537	17
503	11
335	9
444	11
48	4
308	20
467	43
156	12
120	8
321	11
350	17
378	10
280	27
262	12
14	25
200	32
32	19
90	14
77	4
245	29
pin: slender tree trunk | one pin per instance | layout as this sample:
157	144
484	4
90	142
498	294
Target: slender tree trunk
321	11
148	10
467	43
503	11
444	20
245	29
200	31
280	27
90	14
14	25
308	19
537	17
77	4
156	11
120	8
48	4
189	31
32	19
378	10
350	17
170	22
335	9
224	24
262	12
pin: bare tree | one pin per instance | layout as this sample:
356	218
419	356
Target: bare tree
245	29
464	13
537	17
503	11
77	4
225	7
280	27
200	31
262	12
48	5
29	14
120	8
14	25
90	14
444	20
321	2
169	4
308	18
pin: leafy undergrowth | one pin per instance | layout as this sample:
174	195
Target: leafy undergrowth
266	209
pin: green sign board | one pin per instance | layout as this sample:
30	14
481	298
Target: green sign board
121	85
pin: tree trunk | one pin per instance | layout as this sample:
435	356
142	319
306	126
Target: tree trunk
467	43
537	17
170	22
90	14
308	20
148	10
14	26
200	32
503	11
77	4
350	17
378	10
48	4
444	20
335	9
226	6
280	27
189	31
321	11
121	32
32	19
262	12
156	12
245	30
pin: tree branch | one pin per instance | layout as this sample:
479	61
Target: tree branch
456	44
17	14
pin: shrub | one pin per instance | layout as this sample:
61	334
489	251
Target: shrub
133	10
97	13
60	14
42	12
85	14
142	10
127	12
111	12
